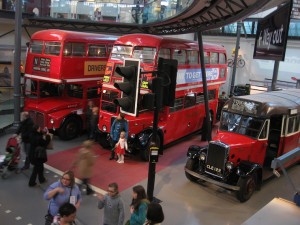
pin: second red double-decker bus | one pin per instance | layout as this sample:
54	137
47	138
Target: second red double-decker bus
64	70
188	113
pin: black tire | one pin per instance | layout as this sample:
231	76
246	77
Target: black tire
104	142
247	187
241	63
70	129
145	154
193	165
230	62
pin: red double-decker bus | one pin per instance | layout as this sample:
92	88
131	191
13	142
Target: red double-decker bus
188	113
64	69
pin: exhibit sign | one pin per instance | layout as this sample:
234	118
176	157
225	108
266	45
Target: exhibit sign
272	33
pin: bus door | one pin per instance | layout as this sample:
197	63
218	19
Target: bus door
274	139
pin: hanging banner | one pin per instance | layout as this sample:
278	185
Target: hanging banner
272	33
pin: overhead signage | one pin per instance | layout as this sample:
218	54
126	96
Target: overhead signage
296	9
272	33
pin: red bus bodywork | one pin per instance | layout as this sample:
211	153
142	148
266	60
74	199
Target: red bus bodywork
64	70
254	129
188	113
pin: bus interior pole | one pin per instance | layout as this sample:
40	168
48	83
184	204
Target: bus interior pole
205	91
275	75
236	53
17	62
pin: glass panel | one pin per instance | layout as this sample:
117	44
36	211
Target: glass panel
30	88
199	98
214	58
107	101
97	51
49	89
120	52
177	105
93	93
67	49
52	48
222	58
74	90
164	53
189	100
36	47
145	54
78	49
192	57
206	57
180	56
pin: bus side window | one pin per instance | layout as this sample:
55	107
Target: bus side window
67	49
78	49
206	57
75	90
214	58
97	51
177	105
180	56
189	100
293	124
264	131
164	53
211	94
222	58
199	98
52	48
192	57
92	93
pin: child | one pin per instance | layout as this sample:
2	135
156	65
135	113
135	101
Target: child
9	154
121	146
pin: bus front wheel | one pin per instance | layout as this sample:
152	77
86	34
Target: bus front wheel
70	129
247	187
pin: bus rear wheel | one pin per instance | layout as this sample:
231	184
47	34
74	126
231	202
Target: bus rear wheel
70	129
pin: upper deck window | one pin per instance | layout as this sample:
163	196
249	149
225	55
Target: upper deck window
145	54
164	53
206	57
74	49
214	58
97	51
120	52
36	47
180	56
192	57
222	58
52	48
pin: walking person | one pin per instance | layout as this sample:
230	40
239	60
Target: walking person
139	205
94	123
38	155
85	161
66	215
25	130
60	192
88	116
119	124
121	146
155	214
113	206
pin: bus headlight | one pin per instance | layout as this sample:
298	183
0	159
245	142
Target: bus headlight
202	156
104	128
52	121
132	136
229	165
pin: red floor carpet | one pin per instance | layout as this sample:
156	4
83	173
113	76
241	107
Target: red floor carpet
127	174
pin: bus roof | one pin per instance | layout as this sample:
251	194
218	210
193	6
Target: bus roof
153	40
61	35
266	104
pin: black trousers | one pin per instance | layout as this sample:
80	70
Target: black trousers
38	171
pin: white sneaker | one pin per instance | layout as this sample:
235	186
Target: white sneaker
121	161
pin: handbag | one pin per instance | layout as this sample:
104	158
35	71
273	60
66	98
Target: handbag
50	145
48	219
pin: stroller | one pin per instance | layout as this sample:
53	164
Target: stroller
10	161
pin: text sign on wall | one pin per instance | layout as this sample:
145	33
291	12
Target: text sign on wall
272	33
296	9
